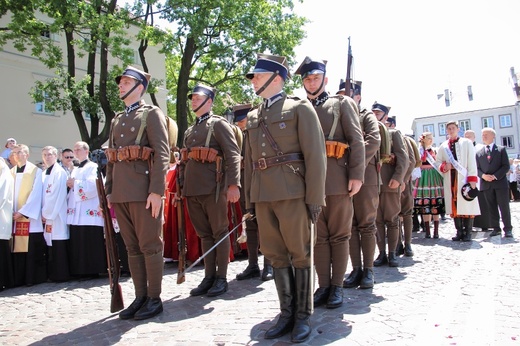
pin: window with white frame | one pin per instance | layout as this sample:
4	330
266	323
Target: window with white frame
429	128
505	120
40	106
442	129
464	125
507	141
488	122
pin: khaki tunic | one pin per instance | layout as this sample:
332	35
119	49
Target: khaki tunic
280	193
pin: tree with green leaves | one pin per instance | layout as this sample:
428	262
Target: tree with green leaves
94	32
215	42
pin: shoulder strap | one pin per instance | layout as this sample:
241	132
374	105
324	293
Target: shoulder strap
144	110
210	130
336	111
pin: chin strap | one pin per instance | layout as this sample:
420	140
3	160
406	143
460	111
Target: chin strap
317	90
266	84
202	104
131	90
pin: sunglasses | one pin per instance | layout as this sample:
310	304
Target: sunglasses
68	157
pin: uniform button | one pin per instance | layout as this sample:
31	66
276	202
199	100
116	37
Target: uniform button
263	154
123	124
263	144
122	135
263	134
120	147
146	172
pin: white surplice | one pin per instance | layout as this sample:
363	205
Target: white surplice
54	204
6	202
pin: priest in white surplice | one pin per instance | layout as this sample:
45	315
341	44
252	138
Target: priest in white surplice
54	215
29	248
6	225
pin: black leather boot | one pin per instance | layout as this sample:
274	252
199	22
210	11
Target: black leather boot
203	287
381	259
468	227
321	296
252	271
408	252
130	311
399	249
267	272
353	279
335	297
302	326
220	286
151	308
392	259
368	278
284	282
458	226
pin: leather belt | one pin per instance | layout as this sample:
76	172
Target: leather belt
262	163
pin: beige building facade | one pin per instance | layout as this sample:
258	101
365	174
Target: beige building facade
31	123
504	120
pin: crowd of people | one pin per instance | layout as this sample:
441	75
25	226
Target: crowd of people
319	181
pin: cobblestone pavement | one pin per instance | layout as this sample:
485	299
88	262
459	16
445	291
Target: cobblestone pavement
449	293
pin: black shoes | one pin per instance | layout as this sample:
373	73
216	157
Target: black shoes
131	310
495	232
400	249
252	271
353	279
321	296
381	259
203	287
368	278
508	234
220	286
408	252
392	260
335	299
151	308
267	273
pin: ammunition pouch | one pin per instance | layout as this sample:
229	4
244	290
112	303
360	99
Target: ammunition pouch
203	154
335	149
128	153
262	163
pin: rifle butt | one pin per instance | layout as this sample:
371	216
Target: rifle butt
181	278
116	302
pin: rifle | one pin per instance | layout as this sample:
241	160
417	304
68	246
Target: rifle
247	216
234	222
114	266
181	228
349	68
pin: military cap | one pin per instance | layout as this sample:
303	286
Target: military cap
380	107
391	121
266	63
310	66
201	89
240	111
355	86
138	75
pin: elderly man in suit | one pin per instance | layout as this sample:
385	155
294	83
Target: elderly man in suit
135	186
492	166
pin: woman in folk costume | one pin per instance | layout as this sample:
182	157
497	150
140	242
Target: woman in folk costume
429	191
458	165
87	257
54	215
6	225
29	248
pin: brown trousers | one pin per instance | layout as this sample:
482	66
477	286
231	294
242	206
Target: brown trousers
331	251
387	222
142	236
407	213
211	223
285	232
364	229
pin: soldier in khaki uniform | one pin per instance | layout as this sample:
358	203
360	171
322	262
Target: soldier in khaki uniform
363	239
252	270
135	186
210	173
393	171
339	119
285	170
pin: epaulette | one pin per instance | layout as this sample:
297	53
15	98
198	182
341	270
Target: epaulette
293	97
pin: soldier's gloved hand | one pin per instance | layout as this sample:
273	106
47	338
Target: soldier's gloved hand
314	212
251	211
